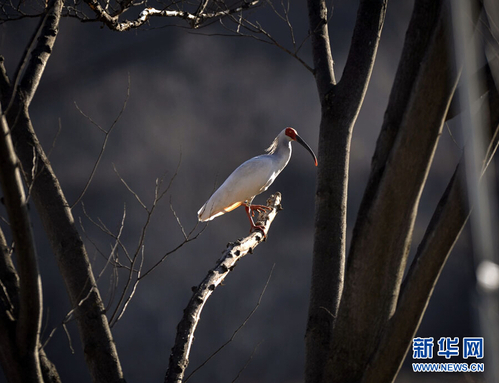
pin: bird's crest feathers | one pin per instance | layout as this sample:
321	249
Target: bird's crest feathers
271	149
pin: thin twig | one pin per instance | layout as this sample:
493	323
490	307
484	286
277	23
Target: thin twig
256	28
135	273
285	18
106	231
178	220
113	256
34	163
158	195
70	343
66	319
247	362
104	143
133	289
237	329
55	139
184	242
130	189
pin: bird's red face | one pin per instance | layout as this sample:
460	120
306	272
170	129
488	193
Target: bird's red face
291	133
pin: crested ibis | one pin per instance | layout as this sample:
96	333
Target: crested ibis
252	178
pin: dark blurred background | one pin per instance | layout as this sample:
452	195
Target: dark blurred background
211	102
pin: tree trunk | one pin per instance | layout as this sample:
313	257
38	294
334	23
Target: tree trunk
53	209
340	105
21	333
422	91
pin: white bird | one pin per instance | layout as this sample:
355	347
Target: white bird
252	178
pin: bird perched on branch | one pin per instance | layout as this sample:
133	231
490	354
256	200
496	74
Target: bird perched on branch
252	178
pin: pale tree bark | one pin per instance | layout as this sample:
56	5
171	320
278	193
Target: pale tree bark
235	251
55	214
194	15
340	105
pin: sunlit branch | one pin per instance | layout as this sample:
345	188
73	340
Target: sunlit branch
194	19
179	357
236	330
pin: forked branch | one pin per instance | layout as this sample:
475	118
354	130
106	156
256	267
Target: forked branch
195	19
179	357
104	143
340	103
383	231
53	209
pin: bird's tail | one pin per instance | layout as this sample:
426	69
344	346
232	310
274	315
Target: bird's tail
203	215
208	212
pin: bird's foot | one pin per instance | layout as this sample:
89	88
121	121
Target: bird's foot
259	208
250	211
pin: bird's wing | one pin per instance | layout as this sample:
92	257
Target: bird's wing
248	180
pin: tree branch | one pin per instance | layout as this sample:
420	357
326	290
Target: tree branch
107	133
330	206
69	250
30	289
4	82
195	19
362	54
9	358
9	312
443	230
340	106
179	357
483	73
449	219
49	371
38	53
383	231
9	279
236	331
321	48
255	28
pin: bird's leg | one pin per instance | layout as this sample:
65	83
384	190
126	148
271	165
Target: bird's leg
249	211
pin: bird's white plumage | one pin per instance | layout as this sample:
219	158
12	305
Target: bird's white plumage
248	180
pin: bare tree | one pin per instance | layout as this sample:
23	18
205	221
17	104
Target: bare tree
52	206
363	313
23	359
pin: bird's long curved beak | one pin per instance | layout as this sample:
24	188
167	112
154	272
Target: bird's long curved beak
305	145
